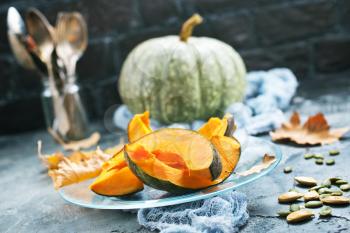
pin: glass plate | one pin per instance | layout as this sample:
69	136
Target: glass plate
253	150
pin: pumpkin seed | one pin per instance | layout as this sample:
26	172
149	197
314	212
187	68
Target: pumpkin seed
337	193
305	181
289	197
340	182
330	161
300	215
334	152
312	195
324	195
334	179
308	156
317	187
325	211
345	187
318	156
288	169
319	161
294	207
313	204
326	183
336	200
324	190
283	213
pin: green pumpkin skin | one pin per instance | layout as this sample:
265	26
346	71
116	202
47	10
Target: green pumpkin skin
181	81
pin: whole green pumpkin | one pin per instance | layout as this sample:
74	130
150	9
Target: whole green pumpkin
180	79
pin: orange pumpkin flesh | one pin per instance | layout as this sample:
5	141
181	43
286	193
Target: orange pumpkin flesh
116	182
159	175
194	149
116	179
139	126
171	159
214	127
117	162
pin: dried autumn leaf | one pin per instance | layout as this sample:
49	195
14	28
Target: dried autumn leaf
50	161
266	162
76	167
314	131
69	172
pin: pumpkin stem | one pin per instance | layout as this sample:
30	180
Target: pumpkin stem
187	27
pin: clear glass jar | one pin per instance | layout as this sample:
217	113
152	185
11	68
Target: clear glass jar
72	104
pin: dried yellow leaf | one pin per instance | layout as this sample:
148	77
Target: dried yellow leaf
76	167
50	161
69	172
266	162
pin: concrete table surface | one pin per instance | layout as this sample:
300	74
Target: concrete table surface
28	202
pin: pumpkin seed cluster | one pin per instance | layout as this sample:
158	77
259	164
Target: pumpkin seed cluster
320	195
320	159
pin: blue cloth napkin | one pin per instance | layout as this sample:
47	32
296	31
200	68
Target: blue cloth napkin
268	94
221	214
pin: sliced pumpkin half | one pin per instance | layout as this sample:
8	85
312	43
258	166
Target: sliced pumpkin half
178	160
116	178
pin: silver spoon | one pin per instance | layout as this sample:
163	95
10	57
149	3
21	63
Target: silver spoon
43	35
20	43
17	37
71	38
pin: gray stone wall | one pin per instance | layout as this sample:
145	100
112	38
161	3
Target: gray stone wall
312	37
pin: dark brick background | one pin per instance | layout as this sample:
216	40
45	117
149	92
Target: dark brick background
312	37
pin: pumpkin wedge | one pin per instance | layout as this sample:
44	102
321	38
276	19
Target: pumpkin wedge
214	127
187	149
116	178
229	150
178	157
178	160
218	127
220	133
159	159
